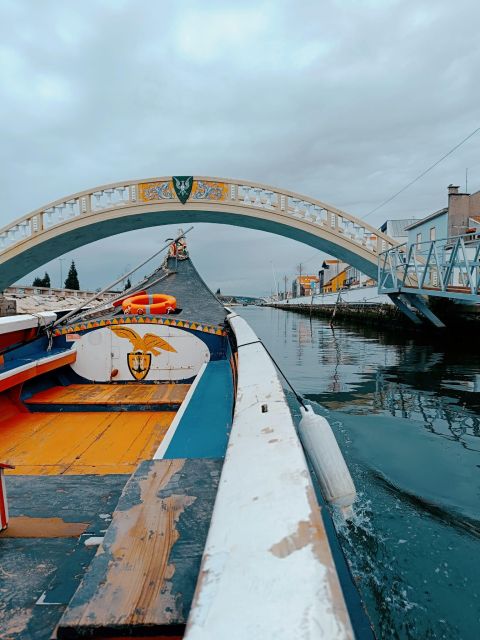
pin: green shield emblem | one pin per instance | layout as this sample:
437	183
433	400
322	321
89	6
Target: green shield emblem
183	187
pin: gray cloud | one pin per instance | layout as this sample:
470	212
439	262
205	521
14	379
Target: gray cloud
345	101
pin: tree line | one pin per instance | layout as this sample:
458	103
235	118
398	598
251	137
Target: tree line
71	281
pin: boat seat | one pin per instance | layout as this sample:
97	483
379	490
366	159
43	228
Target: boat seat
15	372
142	579
110	397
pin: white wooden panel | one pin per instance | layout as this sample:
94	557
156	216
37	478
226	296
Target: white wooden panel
26	321
94	361
106	350
267	571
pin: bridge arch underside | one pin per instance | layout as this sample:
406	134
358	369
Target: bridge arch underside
36	251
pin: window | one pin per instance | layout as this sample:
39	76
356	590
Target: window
419	238
433	233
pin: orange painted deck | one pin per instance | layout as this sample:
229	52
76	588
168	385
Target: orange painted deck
112	394
81	443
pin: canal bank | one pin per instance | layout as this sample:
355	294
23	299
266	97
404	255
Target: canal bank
365	306
361	305
405	409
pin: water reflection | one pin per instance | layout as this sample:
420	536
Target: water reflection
364	371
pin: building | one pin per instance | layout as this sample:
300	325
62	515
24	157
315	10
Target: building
397	229
336	282
355	278
433	227
306	284
461	216
329	275
462	208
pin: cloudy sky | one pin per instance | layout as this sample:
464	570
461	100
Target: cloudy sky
343	100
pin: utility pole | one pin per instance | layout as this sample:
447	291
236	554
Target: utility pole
299	270
275	281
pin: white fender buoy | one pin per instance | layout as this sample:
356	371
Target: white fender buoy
328	462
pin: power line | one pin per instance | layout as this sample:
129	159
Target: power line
470	135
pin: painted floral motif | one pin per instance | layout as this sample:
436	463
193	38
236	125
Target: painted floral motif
156	191
203	190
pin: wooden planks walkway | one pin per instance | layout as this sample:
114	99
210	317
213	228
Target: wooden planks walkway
81	443
142	579
111	394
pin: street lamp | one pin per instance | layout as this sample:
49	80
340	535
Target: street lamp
61	271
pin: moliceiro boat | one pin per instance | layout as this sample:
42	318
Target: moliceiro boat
156	484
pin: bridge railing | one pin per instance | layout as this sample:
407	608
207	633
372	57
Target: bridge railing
448	267
159	193
30	290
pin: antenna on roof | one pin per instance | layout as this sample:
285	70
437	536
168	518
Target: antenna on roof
466	180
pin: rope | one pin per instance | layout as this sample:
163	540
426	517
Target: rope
297	396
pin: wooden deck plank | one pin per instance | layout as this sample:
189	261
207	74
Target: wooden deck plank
19	429
70	443
110	448
111	394
154	440
143	576
152	433
60	437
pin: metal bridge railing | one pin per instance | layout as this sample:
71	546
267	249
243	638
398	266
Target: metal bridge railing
449	267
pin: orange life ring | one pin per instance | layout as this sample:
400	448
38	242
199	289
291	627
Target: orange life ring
155	304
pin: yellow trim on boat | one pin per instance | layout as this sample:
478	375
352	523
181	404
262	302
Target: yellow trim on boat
194	326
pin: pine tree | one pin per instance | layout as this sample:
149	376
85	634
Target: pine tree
128	284
42	282
72	279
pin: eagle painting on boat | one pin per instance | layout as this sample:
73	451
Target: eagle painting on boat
140	358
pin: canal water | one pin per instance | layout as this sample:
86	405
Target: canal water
406	413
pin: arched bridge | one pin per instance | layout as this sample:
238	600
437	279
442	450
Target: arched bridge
69	223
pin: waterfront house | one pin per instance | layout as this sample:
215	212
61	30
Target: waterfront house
461	215
336	282
432	227
307	284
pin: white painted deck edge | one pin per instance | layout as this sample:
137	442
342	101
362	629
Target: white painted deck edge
26	321
267	570
162	449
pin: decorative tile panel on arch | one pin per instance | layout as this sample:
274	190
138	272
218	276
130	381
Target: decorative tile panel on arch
203	190
163	190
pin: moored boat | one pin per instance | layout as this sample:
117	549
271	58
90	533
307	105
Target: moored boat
159	486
